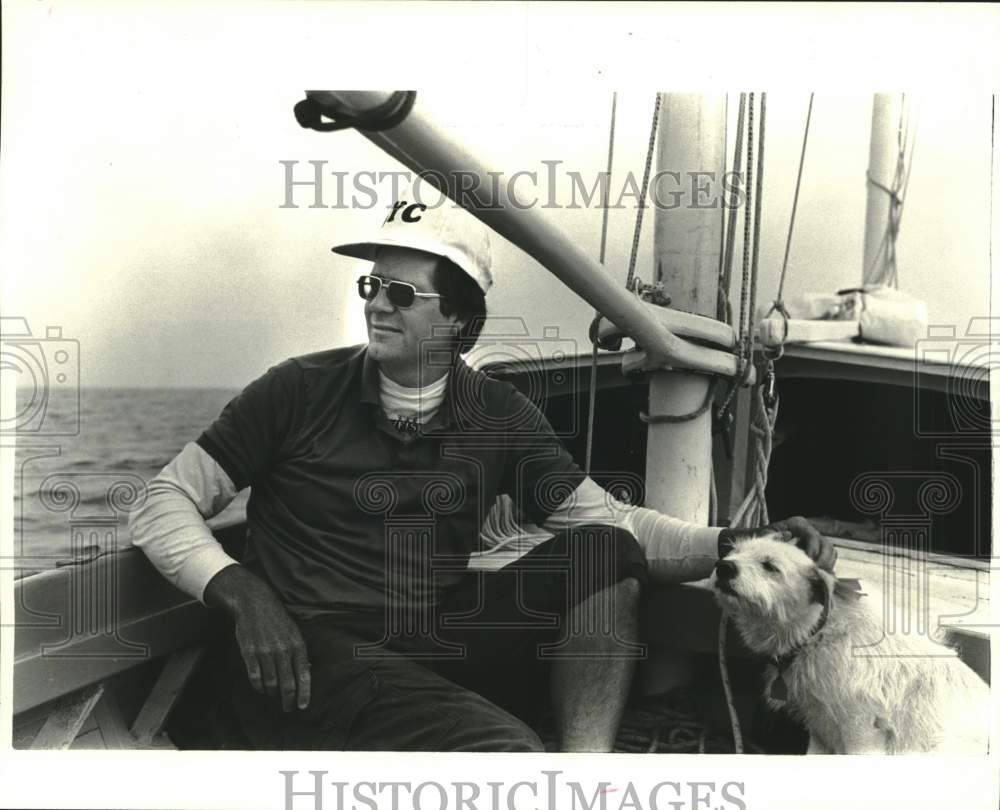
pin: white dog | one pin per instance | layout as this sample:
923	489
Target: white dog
857	689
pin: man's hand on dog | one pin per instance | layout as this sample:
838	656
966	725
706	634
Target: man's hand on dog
796	530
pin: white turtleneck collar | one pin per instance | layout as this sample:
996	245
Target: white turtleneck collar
407	408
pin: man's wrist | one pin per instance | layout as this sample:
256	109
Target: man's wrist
229	589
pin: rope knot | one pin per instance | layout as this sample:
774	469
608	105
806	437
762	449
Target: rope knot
895	198
650	293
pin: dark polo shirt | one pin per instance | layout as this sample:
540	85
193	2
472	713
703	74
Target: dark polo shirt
346	512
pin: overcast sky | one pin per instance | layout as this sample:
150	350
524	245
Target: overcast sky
143	189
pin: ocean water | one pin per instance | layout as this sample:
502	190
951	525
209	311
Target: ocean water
81	465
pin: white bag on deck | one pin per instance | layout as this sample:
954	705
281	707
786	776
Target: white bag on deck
889	316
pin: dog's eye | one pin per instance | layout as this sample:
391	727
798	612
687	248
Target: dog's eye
770	566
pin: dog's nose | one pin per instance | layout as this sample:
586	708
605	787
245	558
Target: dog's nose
726	569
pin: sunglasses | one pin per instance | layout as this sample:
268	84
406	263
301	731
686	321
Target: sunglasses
399	293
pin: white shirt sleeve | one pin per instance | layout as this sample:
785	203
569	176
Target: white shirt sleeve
676	551
170	525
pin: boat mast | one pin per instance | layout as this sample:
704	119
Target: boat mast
883	155
687	247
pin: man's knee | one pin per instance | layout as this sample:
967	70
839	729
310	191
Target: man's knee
608	556
629	590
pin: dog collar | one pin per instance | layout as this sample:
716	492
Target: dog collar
849	589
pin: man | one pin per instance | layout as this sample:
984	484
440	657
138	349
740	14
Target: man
372	468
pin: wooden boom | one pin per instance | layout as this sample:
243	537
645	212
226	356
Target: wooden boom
418	144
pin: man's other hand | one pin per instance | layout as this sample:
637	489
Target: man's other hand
808	538
269	640
796	530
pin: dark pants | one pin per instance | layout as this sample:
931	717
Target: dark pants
472	676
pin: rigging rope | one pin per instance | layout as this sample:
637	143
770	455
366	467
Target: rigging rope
747	226
630	283
752	308
748	291
779	301
722	299
745	350
795	201
722	416
642	197
597	315
673	419
724	672
753	510
725	310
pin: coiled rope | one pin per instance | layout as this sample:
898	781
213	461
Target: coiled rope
752	512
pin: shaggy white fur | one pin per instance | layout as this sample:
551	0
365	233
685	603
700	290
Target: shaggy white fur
856	688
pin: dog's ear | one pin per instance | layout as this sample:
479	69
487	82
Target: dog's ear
819	591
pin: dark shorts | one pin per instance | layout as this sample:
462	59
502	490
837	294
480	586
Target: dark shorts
471	676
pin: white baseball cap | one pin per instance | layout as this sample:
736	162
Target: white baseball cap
422	218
